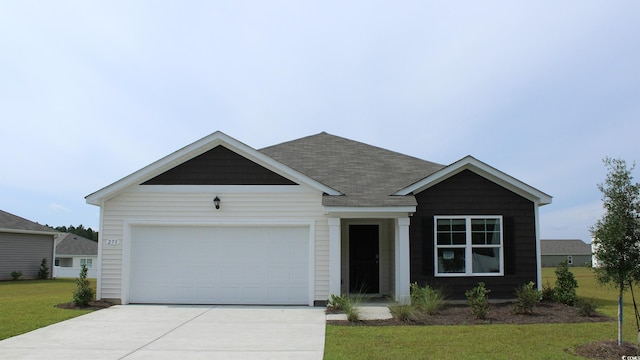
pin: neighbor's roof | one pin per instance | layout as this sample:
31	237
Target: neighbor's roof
564	247
14	223
367	175
72	244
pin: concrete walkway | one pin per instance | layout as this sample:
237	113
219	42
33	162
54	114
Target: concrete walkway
183	332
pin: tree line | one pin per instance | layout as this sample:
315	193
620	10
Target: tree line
80	230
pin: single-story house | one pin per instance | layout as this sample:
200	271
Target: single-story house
72	251
23	245
219	222
574	252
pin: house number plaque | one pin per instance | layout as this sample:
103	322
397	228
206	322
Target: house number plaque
113	242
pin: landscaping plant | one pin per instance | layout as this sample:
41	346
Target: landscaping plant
478	298
43	272
566	284
84	292
616	235
586	307
527	296
15	275
426	299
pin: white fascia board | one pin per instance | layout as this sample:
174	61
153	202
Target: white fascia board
484	170
379	211
197	148
30	232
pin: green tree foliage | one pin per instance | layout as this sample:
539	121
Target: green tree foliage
566	284
617	234
43	272
80	230
84	292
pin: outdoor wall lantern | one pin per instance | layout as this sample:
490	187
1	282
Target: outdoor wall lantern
216	202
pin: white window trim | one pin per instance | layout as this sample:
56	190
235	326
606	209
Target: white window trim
468	246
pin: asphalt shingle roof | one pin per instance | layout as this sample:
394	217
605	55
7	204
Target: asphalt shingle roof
14	222
367	175
72	244
564	247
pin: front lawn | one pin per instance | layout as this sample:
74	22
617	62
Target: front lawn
539	341
26	305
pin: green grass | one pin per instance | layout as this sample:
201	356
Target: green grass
30	304
538	341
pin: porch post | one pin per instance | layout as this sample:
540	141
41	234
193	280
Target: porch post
402	261
334	256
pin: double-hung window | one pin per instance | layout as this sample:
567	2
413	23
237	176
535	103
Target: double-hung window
87	262
468	246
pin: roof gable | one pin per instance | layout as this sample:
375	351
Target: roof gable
484	170
195	149
219	166
367	175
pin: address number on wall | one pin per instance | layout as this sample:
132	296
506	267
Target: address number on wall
113	242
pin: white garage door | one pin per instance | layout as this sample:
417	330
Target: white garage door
219	265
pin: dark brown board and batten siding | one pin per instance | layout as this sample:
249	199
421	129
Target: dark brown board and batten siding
219	166
24	252
468	193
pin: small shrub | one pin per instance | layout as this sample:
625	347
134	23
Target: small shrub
426	299
548	292
566	284
403	312
15	275
527	296
478	298
339	303
586	307
83	293
43	272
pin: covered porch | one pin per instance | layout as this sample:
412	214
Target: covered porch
369	255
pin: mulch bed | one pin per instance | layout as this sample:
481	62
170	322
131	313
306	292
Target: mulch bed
93	305
609	349
543	313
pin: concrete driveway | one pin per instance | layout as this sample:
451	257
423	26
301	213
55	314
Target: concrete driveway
136	332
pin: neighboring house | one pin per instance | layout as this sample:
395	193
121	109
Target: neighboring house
219	222
574	252
23	245
72	251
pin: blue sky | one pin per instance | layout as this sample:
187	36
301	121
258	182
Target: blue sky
93	91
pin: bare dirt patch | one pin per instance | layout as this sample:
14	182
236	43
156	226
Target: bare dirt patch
93	305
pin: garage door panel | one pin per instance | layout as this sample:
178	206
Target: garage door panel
219	265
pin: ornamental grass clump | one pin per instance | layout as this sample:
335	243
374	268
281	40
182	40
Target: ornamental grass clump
426	299
478	298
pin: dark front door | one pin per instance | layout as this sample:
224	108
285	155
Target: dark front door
364	273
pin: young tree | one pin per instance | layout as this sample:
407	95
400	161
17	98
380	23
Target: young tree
617	234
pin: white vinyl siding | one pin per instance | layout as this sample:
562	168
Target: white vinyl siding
186	205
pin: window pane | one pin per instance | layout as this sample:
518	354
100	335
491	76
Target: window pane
459	238
486	260
493	225
478	238
478	225
444	238
451	260
493	238
444	225
458	225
